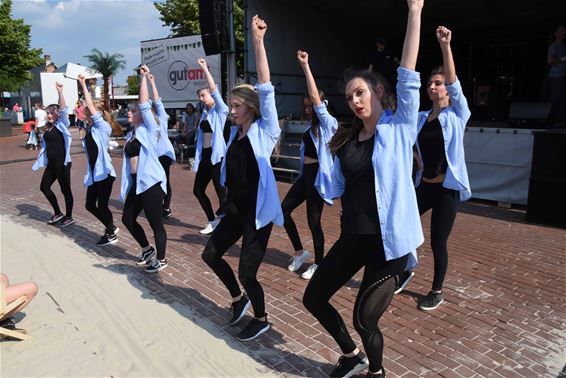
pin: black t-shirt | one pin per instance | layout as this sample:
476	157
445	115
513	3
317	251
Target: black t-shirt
54	145
132	148
431	144
310	149
383	62
91	149
359	206
242	178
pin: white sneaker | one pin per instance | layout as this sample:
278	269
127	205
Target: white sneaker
210	227
298	261
307	274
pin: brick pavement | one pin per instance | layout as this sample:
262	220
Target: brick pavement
504	310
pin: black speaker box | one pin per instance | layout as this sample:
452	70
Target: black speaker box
549	155
213	26
547	202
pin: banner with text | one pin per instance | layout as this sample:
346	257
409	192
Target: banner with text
178	76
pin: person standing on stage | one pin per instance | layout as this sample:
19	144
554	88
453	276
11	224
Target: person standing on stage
442	167
144	183
55	156
252	203
380	225
100	173
313	184
210	148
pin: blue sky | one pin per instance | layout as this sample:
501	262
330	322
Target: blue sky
68	30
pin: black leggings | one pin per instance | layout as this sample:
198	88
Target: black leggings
304	189
61	173
97	196
444	205
348	255
206	172
254	244
166	164
151	202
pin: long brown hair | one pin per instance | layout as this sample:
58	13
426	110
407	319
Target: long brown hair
99	106
373	80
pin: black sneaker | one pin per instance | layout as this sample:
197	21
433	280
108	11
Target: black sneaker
156	265
56	218
8	323
145	257
67	221
107	239
348	366
378	375
116	230
167	213
239	308
404	279
254	328
431	301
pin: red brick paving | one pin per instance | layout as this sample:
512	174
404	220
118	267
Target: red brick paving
504	310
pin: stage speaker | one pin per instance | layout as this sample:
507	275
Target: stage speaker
529	115
213	26
546	202
549	160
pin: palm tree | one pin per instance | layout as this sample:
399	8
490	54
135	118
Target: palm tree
107	64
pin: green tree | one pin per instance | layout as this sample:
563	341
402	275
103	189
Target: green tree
182	16
133	85
107	64
16	56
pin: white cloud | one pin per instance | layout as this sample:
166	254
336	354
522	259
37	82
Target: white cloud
68	30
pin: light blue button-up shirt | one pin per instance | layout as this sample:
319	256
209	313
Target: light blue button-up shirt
392	161
101	132
150	171
327	128
62	124
453	120
216	116
263	135
164	146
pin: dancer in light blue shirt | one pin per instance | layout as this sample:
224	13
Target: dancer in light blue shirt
252	203
314	182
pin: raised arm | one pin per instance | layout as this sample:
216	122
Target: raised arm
259	27
144	93
63	111
444	36
209	79
86	95
412	35
303	58
154	91
159	108
453	86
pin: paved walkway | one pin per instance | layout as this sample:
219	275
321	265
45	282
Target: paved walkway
504	310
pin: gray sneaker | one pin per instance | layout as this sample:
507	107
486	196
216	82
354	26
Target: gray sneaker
431	301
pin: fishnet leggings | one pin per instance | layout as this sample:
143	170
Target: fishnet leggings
348	255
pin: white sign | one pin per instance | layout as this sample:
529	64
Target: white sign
178	76
49	94
74	70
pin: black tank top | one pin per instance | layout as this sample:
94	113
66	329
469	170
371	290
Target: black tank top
205	126
310	149
359	206
54	145
91	149
431	144
132	148
242	178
